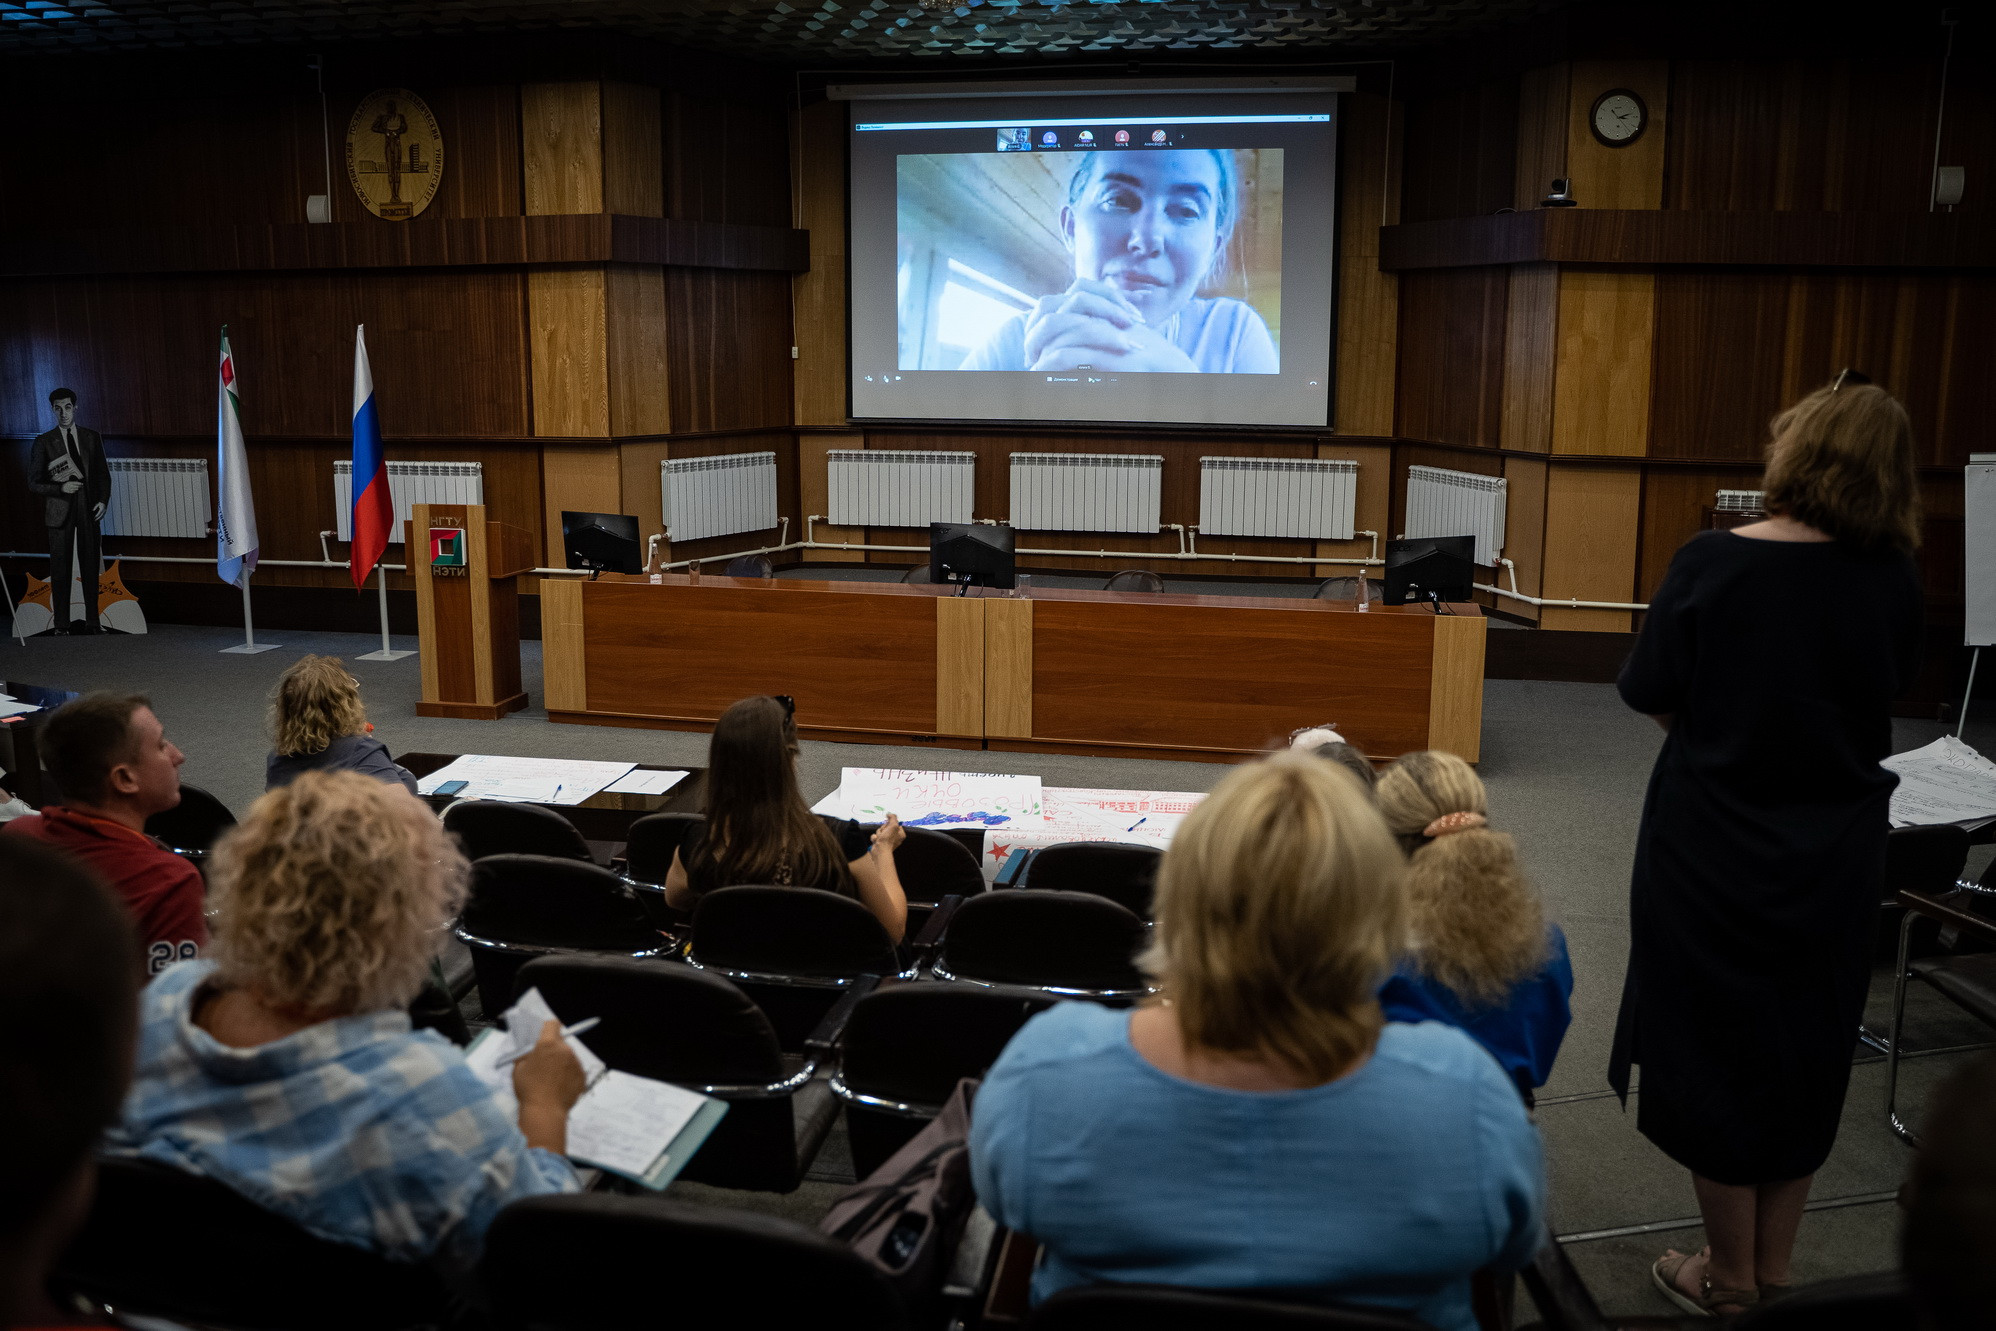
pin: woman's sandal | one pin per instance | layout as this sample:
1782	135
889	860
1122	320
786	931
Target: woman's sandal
1710	1302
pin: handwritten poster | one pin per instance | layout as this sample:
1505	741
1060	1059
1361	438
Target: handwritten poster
934	799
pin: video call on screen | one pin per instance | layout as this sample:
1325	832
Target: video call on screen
1158	259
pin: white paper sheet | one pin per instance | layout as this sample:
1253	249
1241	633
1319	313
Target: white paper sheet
10	707
635	782
1945	782
933	799
624	1122
527	780
492	1057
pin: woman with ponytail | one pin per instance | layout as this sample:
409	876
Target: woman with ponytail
1482	956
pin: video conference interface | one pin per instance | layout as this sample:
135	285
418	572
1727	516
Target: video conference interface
1157	259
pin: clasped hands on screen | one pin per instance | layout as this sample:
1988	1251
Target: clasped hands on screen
1092	326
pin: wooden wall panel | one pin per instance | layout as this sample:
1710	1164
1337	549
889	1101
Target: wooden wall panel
1542	132
1452	325
1462	149
1630	176
638	470
1372	509
818	151
728	348
566	330
1368	299
1673	511
635	335
1719	361
561	142
1531	351
1524	534
1601	382
1591	520
633	148
729	161
1820	135
584	480
446	349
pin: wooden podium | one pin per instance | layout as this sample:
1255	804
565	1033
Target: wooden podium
468	609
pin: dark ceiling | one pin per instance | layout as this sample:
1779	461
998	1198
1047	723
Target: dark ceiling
782	31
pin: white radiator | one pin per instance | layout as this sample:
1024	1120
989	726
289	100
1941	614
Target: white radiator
158	497
410	483
1086	491
1457	503
889	488
1304	497
1741	501
717	496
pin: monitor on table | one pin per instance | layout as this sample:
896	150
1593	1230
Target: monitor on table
971	554
601	542
1430	568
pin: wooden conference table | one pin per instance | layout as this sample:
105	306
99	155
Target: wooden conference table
1119	674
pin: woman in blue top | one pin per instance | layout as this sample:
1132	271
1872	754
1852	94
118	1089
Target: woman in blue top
1482	957
1260	1126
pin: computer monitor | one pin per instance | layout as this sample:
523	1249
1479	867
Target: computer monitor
1431	568
601	542
972	554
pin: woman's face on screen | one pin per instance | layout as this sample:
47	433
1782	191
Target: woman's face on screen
1147	223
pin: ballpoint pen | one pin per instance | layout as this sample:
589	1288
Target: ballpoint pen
1138	823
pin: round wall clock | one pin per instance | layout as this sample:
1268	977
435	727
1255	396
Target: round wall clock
395	155
1618	118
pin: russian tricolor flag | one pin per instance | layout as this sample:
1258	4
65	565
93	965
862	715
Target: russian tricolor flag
373	511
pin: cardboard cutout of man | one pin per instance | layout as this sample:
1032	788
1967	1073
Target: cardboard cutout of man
66	468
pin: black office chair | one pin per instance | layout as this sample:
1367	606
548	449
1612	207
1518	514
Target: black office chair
1926	861
582	1263
1134	580
919	575
1968	981
1068	943
1346	589
1125	874
648	850
792	949
1878	1302
675	1023
933	865
750	566
1172	1308
163	1243
903	1050
191	828
495	827
527	906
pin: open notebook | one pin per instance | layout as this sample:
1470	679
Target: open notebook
641	1129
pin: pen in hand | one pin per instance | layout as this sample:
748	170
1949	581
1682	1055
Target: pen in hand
577	1029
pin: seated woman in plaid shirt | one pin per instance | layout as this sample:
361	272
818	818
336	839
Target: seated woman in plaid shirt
283	1063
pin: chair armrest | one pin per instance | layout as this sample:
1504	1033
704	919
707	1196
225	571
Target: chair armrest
1934	908
1013	871
932	929
821	1041
1557	1290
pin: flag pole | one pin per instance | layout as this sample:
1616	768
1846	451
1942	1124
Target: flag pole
250	646
386	653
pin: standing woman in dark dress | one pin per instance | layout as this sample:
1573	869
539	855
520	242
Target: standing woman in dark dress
1770	654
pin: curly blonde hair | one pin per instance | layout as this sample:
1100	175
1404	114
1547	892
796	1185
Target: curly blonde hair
1279	913
315	702
330	895
1478	926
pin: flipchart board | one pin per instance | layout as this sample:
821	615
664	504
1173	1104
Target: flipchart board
1979	541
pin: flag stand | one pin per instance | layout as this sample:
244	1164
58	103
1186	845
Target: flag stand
386	653
250	646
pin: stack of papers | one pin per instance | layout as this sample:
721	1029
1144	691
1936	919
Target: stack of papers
1945	782
933	799
642	1129
524	780
1014	812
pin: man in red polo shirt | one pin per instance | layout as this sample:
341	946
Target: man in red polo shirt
111	759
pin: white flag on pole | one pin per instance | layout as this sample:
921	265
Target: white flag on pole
235	515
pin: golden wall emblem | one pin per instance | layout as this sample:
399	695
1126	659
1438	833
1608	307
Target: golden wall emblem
395	155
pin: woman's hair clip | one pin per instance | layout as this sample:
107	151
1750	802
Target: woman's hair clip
1848	375
1454	822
